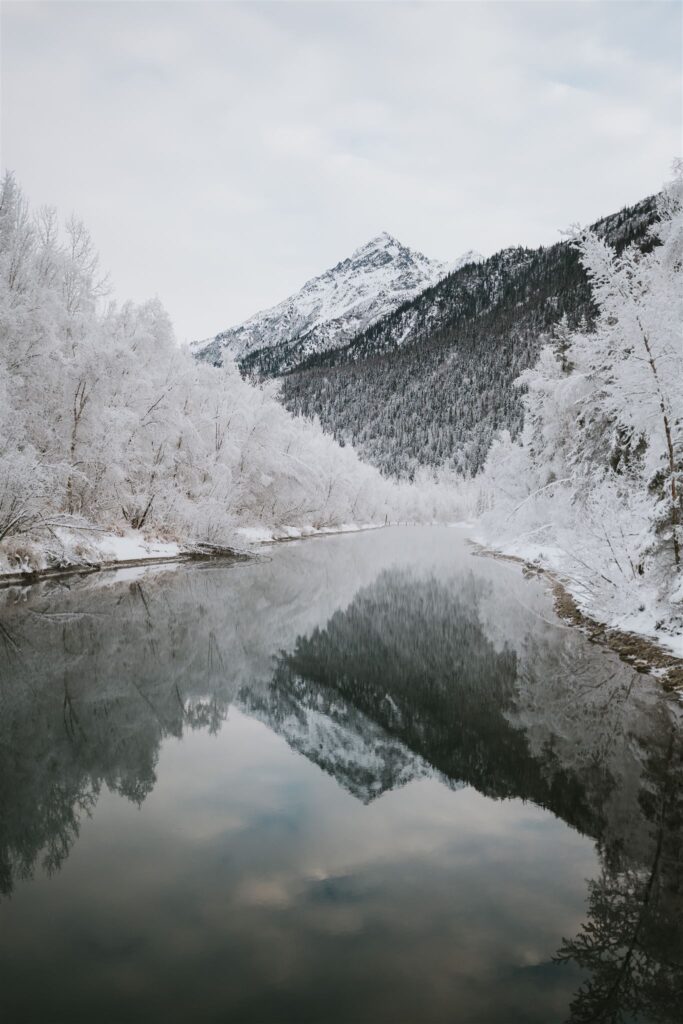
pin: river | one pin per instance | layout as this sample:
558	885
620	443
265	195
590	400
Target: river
359	779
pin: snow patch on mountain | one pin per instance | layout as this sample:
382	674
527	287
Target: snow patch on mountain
335	306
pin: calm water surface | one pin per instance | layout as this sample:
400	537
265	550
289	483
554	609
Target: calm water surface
365	778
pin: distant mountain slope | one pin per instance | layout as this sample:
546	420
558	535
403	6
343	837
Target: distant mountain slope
432	382
330	309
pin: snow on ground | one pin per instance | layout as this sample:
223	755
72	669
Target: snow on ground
644	623
131	547
83	547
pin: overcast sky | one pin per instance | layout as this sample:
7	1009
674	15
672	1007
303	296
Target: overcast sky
222	153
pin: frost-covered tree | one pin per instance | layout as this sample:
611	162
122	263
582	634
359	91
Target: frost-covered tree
596	479
636	357
105	423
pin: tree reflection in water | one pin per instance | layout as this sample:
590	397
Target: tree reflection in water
632	941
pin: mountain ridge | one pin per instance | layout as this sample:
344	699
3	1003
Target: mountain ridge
332	307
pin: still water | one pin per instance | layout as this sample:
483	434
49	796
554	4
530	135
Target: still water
364	779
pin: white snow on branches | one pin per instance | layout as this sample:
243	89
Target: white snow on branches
594	488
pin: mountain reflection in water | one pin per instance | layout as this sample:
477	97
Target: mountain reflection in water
384	660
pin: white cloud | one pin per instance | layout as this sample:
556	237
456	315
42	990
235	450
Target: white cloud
221	153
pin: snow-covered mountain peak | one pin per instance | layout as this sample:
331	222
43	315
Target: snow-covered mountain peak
384	238
383	242
387	248
333	307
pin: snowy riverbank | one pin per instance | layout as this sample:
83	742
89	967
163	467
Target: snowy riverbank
637	636
84	549
87	549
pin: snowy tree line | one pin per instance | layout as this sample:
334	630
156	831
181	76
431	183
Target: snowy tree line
594	483
106	424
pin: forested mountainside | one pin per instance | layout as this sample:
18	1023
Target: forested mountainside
431	383
331	308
